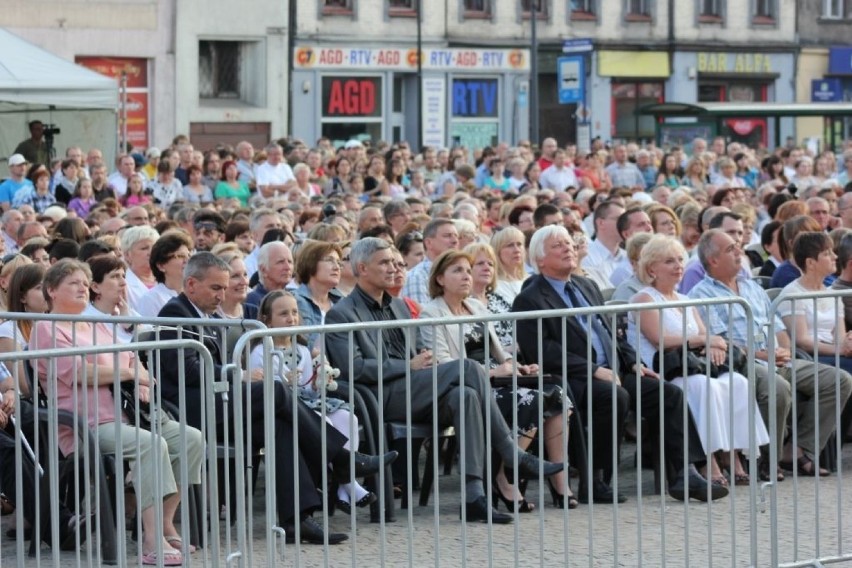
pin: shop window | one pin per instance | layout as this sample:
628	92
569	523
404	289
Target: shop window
540	7
333	7
232	71
836	9
764	12
638	10
583	10
404	8
476	8
626	98
711	11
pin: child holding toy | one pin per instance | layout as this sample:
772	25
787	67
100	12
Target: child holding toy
296	367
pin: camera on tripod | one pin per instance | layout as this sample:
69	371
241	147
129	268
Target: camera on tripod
51	130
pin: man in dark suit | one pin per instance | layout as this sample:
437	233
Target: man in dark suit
618	377
460	391
205	280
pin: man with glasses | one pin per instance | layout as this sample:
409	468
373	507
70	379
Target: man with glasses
605	252
209	229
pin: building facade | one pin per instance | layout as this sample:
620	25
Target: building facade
192	66
824	69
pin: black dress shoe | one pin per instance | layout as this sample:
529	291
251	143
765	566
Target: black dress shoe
364	501
364	465
601	493
528	466
693	486
311	533
77	524
477	512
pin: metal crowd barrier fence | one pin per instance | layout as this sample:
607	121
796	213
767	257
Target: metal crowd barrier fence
818	528
199	516
648	529
571	541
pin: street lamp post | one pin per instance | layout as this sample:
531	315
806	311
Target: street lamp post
533	71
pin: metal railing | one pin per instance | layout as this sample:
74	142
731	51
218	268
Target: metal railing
649	529
801	549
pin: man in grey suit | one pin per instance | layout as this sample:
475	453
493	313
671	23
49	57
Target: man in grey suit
462	390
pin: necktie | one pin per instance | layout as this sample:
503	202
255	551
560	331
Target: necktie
598	328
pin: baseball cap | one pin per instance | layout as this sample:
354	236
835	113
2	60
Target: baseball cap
152	152
17	160
353	144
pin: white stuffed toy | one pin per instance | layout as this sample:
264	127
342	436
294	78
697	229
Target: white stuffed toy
324	374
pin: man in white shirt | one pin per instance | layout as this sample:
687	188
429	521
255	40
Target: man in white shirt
624	173
605	252
560	175
274	176
245	164
118	179
631	222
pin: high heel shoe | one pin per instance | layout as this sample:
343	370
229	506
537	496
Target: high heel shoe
524	506
560	501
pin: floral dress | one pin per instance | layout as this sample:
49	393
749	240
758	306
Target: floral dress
526	400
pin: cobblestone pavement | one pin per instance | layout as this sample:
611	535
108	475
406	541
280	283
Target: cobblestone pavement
813	520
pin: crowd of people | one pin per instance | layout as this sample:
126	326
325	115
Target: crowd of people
294	235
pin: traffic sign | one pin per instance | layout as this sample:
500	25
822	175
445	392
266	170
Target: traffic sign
577	45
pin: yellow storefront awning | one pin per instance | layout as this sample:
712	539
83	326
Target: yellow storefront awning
633	64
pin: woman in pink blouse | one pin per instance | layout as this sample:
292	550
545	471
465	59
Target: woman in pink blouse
79	384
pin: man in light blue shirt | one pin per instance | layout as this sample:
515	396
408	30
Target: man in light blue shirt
721	256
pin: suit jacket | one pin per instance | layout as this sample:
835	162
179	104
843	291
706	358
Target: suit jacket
181	307
365	361
538	294
444	339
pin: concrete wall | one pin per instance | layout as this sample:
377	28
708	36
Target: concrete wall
263	21
815	29
118	28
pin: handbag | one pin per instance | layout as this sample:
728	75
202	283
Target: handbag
696	363
127	401
669	363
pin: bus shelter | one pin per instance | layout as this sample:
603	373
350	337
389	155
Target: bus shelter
712	119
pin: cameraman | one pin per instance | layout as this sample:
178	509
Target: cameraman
35	148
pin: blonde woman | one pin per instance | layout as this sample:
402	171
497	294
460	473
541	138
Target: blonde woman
510	252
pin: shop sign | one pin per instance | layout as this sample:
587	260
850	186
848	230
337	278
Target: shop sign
577	45
135	69
475	98
351	97
840	61
826	91
434	111
713	62
405	59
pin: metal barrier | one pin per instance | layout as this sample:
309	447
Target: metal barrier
806	508
197	526
649	529
496	544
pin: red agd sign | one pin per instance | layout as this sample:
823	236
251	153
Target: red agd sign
351	97
136	71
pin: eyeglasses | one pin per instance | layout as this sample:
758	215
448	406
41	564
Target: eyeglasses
205	226
182	256
401	265
412	236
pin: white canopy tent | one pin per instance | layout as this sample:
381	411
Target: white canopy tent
38	85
